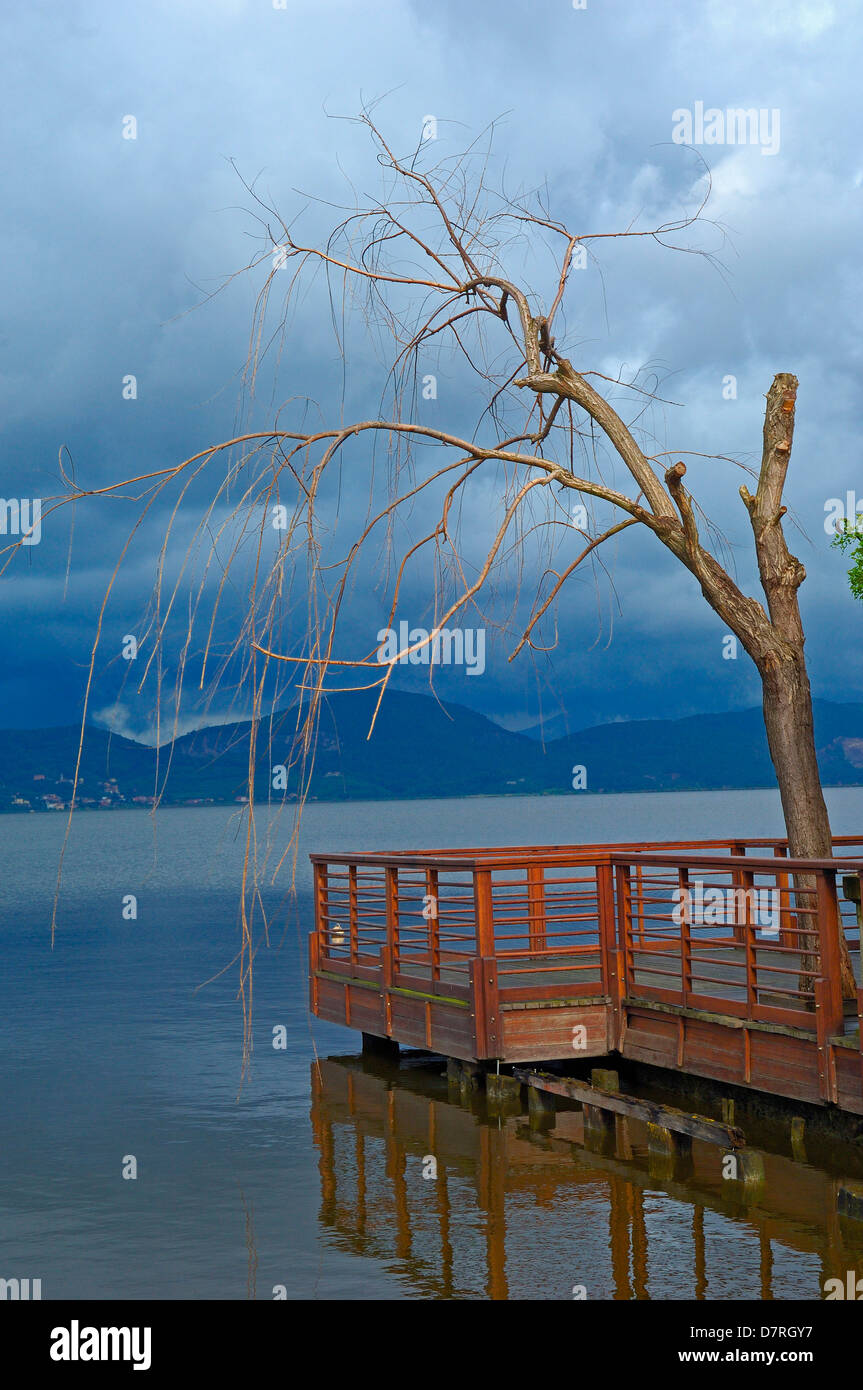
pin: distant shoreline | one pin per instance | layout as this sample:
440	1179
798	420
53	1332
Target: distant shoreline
561	794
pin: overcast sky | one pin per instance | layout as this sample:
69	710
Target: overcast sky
108	241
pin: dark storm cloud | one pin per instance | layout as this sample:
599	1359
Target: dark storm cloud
107	242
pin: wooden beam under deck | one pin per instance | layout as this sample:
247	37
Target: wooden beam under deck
651	1112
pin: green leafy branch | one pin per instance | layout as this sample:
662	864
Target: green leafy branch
849	538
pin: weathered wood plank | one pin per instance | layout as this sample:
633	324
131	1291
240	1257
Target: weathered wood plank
651	1112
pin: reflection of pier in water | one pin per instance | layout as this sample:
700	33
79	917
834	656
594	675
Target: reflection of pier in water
516	1213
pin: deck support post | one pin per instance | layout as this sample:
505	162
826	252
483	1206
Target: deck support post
744	1167
470	1081
503	1093
664	1141
375	1046
849	1200
541	1108
798	1146
464	1079
600	1128
605	1079
669	1153
599	1124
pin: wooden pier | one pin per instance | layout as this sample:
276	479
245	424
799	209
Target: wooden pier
718	958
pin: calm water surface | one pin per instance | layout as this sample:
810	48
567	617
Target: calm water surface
312	1178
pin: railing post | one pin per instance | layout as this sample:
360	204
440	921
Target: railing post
624	927
483	960
605	921
738	880
483	912
433	924
320	877
747	883
610	956
685	935
787	932
353	919
829	1013
536	907
828	946
390	953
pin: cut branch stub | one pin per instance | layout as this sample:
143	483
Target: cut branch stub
781	572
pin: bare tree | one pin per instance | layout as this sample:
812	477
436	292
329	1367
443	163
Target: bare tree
440	258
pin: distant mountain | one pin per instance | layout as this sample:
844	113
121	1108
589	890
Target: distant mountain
703	751
419	748
708	751
555	724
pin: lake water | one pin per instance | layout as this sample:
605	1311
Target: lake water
311	1181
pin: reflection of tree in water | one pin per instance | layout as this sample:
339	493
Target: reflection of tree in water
516	1212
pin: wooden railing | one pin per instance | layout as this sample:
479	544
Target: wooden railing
742	935
719	926
544	915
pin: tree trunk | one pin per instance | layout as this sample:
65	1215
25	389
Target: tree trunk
782	665
791	740
787	704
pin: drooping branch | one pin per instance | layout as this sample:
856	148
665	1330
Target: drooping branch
567	573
